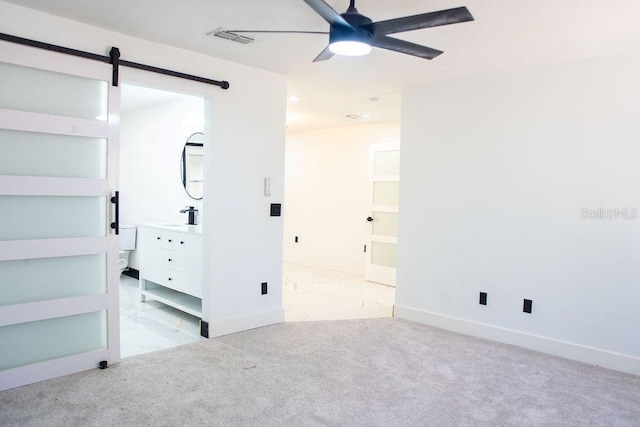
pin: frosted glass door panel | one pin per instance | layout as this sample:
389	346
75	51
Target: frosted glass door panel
382	230
32	342
41	154
386	193
41	91
384	254
34	280
386	162
51	217
385	224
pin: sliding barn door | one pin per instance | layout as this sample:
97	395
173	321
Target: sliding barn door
58	253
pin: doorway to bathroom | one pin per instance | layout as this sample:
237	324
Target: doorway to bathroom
155	127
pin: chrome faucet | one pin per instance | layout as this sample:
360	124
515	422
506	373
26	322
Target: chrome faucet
192	214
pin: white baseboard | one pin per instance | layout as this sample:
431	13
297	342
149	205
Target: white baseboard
580	353
41	371
219	327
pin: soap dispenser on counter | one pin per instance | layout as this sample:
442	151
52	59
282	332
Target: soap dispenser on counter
192	214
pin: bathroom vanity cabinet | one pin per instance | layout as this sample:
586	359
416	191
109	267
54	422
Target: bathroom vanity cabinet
170	258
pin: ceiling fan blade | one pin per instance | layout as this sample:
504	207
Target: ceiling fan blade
327	12
324	55
424	20
403	46
278	31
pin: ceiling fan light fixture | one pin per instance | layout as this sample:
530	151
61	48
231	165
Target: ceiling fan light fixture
352	41
350	48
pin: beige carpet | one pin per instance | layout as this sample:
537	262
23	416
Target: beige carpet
373	372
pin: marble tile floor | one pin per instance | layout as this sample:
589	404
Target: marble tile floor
309	293
151	326
312	293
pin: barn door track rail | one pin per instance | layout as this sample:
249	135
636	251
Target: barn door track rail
113	59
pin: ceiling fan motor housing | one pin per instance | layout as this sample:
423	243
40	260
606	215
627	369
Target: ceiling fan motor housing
359	22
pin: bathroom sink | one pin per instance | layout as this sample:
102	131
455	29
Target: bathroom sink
182	227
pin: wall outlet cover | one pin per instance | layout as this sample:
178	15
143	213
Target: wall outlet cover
276	209
526	306
483	298
264	288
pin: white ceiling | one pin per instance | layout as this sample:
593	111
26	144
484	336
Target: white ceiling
136	97
506	34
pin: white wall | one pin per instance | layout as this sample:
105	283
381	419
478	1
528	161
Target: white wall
245	128
327	194
151	143
495	173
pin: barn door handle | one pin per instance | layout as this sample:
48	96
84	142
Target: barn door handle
116	201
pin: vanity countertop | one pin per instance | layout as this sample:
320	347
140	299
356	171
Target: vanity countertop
181	228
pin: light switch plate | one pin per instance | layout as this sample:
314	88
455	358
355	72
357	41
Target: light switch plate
267	187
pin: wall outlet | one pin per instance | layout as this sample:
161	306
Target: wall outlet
526	307
296	239
483	298
264	288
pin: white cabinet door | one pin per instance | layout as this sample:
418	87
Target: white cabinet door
58	255
192	265
150	252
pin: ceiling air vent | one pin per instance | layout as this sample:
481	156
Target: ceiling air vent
228	35
358	116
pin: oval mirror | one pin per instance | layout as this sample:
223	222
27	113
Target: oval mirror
191	167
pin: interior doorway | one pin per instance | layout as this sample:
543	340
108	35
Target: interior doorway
328	194
155	127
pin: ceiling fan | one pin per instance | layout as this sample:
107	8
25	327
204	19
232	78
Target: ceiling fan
352	33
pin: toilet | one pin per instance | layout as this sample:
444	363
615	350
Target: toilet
127	244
